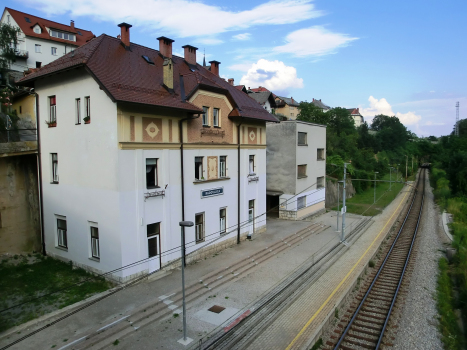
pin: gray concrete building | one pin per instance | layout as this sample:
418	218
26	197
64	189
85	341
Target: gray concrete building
295	169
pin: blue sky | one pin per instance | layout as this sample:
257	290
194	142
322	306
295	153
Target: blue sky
403	58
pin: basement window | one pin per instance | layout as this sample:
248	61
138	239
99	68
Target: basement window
148	60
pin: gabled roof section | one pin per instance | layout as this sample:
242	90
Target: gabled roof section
127	77
289	101
263	96
354	111
27	28
320	104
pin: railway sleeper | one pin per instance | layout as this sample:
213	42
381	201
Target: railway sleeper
369	318
359	343
356	330
375	310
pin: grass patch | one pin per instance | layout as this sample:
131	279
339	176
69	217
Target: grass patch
318	344
362	203
450	333
25	278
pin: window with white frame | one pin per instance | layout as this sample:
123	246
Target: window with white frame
205	116
223	219
95	252
78	110
61	35
199	227
302	139
37	29
320	153
301	171
53	51
301	202
54	158
199	168
320	182
151	173
251	167
52	109
38	48
215	116
61	233
87	102
153	231
222	166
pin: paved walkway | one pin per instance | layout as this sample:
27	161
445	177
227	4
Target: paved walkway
275	254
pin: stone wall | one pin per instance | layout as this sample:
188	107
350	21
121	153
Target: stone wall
19	205
331	192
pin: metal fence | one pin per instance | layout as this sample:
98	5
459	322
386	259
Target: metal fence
18	135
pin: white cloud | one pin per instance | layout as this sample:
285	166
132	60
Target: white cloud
243	36
273	75
314	41
209	41
242	67
382	106
183	18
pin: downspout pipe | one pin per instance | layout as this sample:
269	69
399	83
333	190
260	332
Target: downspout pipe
238	194
39	166
180	129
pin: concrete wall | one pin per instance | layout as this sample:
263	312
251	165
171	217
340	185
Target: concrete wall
281	146
19	206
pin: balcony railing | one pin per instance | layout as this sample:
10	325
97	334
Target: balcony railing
22	53
18	135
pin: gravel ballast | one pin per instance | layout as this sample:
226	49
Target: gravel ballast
418	324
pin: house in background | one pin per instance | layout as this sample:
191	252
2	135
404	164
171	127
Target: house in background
296	168
321	105
265	99
41	41
287	107
356	116
138	140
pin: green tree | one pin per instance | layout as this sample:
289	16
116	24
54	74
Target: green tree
392	133
8	44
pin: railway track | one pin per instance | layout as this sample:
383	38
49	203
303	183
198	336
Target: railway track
366	327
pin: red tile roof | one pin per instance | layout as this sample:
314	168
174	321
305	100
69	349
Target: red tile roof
354	111
27	28
260	89
127	77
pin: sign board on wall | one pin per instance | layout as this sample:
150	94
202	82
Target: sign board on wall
212	192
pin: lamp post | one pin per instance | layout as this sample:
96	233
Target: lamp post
390	183
337	227
344	209
406	162
374	192
183	224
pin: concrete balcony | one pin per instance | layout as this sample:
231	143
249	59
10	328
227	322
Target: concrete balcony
22	53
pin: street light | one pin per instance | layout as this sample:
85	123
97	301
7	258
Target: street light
390	183
374	196
337	229
183	224
406	161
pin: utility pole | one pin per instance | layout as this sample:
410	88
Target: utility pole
406	160
344	209
337	227
457	120
374	192
183	224
412	165
390	181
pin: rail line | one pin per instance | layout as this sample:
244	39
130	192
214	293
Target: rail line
366	327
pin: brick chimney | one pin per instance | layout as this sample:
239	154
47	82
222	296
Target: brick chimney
231	81
125	33
165	46
190	54
215	67
72	25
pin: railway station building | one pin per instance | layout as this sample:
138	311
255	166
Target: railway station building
134	140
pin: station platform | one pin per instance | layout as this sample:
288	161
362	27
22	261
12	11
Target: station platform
148	315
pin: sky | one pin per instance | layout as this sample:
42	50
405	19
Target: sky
399	57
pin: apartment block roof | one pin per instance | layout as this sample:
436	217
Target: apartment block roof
320	104
287	100
127	77
27	22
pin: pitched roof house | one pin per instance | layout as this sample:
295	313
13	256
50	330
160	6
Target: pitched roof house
357	117
42	41
164	140
265	99
288	107
321	105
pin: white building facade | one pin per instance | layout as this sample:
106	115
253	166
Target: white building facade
296	168
112	168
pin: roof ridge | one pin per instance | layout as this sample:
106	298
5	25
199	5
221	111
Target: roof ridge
45	19
86	60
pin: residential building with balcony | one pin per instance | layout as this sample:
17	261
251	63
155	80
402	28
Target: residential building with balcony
135	140
41	41
296	169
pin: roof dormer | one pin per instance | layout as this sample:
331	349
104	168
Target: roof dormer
37	29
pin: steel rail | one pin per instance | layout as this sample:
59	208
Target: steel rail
403	271
215	342
336	347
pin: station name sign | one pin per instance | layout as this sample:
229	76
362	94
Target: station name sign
212	192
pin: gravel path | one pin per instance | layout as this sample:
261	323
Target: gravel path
417	327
